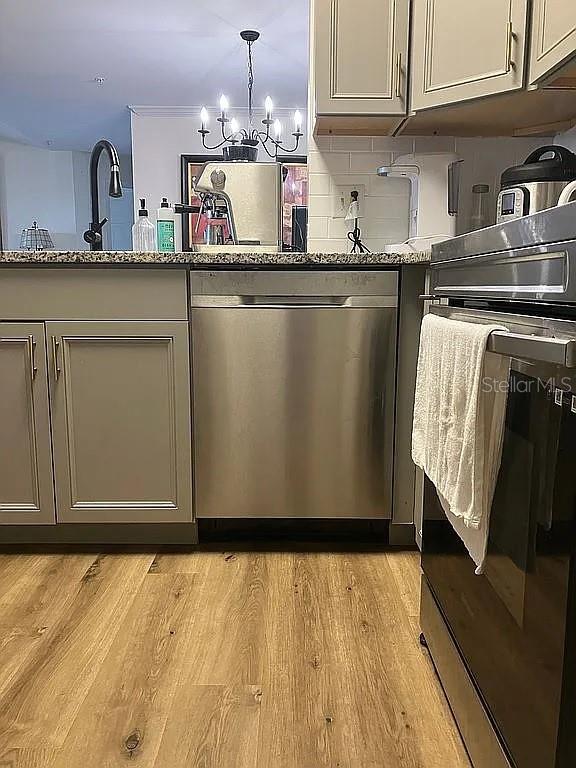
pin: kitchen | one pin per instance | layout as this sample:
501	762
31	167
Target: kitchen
245	517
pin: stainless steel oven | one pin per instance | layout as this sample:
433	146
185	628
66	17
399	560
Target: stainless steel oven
505	642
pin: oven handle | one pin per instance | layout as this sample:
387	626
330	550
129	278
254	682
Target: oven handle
553	350
544	349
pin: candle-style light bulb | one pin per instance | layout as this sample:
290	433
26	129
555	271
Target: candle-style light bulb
298	121
234	127
204	117
277	129
268	106
224	105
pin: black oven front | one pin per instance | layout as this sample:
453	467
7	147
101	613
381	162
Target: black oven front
514	624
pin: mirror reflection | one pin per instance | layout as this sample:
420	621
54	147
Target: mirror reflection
115	111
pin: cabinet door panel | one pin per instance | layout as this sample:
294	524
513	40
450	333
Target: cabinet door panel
466	50
121	416
26	485
360	56
553	36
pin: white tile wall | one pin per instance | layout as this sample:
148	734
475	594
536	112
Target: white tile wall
349	160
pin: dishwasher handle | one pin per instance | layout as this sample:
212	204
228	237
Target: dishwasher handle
293	302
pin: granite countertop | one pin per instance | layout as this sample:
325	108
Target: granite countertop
203	260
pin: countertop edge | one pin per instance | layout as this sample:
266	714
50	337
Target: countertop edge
195	260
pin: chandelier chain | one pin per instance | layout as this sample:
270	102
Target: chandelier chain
250	86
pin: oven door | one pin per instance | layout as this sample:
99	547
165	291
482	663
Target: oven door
510	623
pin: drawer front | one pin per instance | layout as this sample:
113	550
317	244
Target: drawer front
37	293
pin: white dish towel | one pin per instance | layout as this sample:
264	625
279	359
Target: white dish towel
459	411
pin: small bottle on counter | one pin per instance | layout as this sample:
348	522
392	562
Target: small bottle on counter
166	227
143	231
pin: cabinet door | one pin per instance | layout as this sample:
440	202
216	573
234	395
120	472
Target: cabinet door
26	486
466	49
121	421
553	36
360	56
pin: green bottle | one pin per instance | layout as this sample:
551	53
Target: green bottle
165	228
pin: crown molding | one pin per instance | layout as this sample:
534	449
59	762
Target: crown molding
151	111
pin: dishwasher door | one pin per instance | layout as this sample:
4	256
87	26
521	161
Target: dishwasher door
294	406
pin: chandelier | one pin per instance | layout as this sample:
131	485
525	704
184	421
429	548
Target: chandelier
240	143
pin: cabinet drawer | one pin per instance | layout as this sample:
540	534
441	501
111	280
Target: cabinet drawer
92	294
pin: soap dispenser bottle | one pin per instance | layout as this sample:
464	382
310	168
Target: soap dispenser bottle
165	227
143	231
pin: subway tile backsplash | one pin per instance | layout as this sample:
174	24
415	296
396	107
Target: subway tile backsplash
336	161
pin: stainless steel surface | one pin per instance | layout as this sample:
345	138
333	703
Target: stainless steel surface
32	356
510	42
529	338
300	283
55	346
294	301
541	273
399	75
555	225
473	721
294	404
253	192
454	187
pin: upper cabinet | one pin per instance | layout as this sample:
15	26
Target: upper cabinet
473	70
553	36
360	58
467	49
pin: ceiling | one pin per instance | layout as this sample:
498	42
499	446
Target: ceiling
181	53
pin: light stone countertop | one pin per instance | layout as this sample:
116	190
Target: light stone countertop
202	260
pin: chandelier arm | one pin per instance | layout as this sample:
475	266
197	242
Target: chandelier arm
208	147
297	137
274	154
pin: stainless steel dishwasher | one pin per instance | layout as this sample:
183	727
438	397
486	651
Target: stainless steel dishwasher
294	390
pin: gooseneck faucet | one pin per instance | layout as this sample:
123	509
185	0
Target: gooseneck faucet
94	234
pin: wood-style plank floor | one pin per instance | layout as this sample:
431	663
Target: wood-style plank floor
218	660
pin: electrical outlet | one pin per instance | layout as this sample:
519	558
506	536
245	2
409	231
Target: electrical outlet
342	197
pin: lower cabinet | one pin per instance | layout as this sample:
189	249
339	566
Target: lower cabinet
120	406
26	483
95	423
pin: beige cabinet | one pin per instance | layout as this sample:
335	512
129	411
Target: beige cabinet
120	403
466	50
360	57
553	36
26	485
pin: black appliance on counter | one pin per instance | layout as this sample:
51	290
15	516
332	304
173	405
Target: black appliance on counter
504	642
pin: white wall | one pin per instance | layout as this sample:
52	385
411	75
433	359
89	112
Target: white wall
567	139
161	134
38	184
334	161
53	188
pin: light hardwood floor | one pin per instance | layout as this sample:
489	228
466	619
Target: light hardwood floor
218	660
